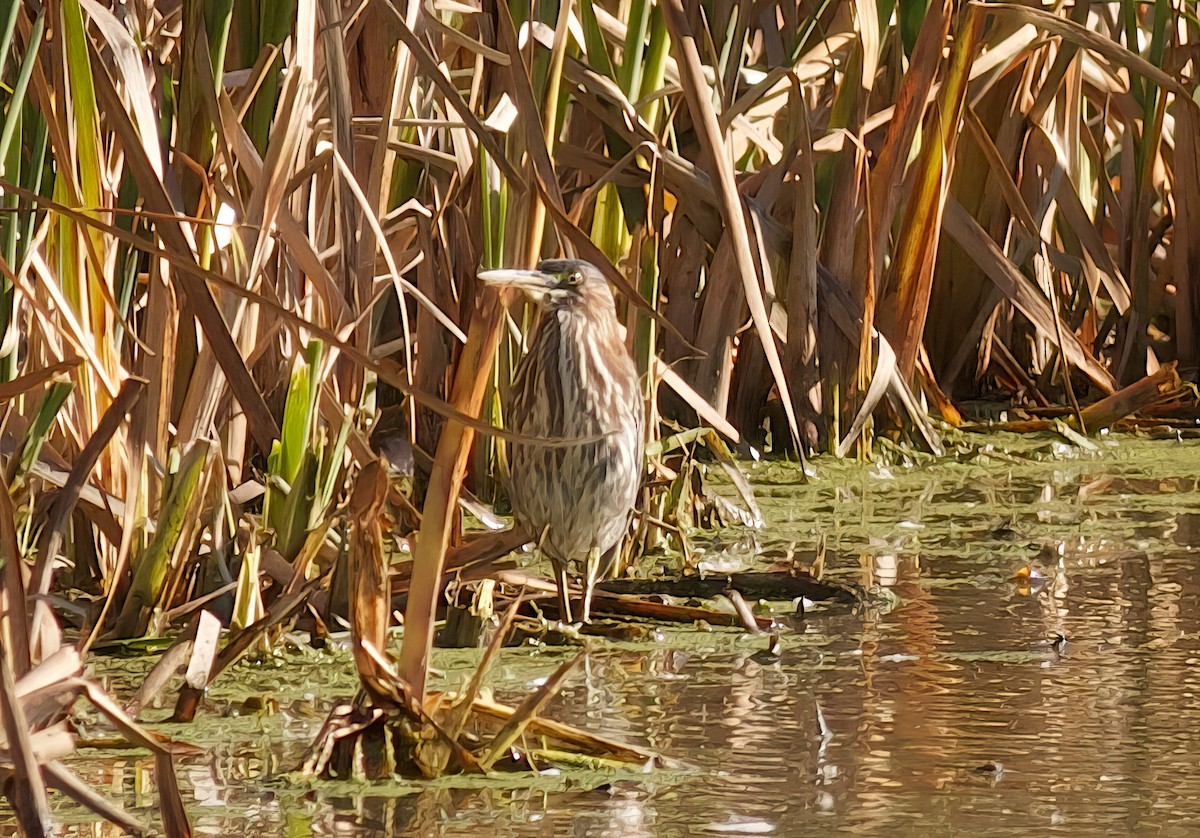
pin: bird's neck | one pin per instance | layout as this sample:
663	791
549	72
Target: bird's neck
599	328
580	357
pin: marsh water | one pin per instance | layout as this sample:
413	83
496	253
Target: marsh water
968	698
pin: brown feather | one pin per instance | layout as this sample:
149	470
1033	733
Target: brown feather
577	381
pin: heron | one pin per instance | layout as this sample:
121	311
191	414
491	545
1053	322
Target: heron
578	409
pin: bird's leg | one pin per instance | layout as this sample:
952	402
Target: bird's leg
589	583
560	578
564	592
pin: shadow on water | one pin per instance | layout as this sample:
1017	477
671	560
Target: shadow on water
1061	701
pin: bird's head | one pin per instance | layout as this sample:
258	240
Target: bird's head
557	283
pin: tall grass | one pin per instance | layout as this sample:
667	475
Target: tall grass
824	221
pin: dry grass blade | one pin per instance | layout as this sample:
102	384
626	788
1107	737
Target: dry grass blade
136	734
917	245
269	191
401	696
281	610
204	648
696	89
445	86
575	737
261	421
339	109
844	312
14	618
28	790
369	596
911	103
461	708
1008	187
64	502
434	756
300	247
971	237
737	477
800	295
1185	253
132	75
881	379
174	817
167	666
528	710
707	413
61	778
445	482
34	379
1074	214
535	134
369	214
1097	43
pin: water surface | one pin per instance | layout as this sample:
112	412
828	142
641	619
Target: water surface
977	705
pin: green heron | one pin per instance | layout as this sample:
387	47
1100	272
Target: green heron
577	389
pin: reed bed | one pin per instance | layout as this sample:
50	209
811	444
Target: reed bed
239	244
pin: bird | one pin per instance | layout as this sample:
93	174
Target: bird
578	416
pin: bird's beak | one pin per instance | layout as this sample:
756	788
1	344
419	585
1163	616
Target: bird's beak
532	282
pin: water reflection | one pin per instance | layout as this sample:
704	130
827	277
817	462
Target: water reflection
980	705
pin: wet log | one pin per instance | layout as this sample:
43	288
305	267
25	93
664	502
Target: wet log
610	604
623	605
751	585
1141	395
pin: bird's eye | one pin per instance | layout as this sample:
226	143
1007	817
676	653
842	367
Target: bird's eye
574	278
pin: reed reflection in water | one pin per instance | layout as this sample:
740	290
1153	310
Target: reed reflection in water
1061	702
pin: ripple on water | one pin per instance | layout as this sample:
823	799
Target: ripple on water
982	705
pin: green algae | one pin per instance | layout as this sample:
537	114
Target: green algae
1105	530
